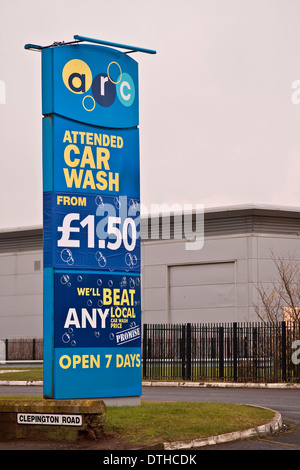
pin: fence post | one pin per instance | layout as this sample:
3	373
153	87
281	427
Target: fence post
235	352
221	352
254	353
6	350
283	350
33	349
144	350
188	352
183	352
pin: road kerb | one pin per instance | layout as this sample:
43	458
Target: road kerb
23	383
284	386
265	429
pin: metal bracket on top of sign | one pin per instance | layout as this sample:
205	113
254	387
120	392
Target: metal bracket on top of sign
78	39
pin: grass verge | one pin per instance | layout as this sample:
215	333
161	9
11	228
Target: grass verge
154	422
29	374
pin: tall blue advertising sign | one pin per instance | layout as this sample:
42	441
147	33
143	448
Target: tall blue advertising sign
91	192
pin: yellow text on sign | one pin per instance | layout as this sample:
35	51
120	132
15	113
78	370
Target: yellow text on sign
95	156
89	361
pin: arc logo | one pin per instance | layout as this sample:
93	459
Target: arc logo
103	89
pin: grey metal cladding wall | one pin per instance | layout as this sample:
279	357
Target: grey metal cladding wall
282	225
218	223
158	227
21	284
22	240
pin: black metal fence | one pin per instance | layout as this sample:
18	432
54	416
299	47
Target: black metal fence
20	349
239	352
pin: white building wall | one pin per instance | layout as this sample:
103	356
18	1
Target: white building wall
21	295
220	278
218	272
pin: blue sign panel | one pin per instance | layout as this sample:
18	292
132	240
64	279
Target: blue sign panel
96	309
89	159
91	186
94	373
97	334
91	84
91	232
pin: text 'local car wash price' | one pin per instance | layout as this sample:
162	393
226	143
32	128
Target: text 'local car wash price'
113	228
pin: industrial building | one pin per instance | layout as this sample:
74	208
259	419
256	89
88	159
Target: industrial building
215	283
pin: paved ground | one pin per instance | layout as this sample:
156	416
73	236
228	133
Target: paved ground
286	402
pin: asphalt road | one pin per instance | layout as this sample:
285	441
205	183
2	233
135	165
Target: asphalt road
286	402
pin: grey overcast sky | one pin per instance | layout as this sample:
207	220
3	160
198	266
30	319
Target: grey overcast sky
217	122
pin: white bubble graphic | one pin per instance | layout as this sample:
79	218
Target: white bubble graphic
117	202
133	204
66	255
130	260
101	259
65	279
99	201
66	338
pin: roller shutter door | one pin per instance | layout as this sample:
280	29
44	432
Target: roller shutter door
202	292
